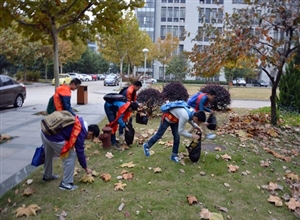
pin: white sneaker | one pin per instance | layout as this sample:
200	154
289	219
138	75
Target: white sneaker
211	136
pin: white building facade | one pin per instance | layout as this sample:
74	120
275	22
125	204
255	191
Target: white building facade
179	17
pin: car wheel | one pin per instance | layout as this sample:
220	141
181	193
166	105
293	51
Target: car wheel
19	101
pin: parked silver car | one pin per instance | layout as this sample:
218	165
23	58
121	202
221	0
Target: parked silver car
11	92
111	80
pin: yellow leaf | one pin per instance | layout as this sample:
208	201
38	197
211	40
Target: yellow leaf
226	157
276	200
273	186
205	214
293	204
28	191
232	168
27	211
109	155
128	176
95	173
129	165
87	178
192	199
157	170
119	186
216	216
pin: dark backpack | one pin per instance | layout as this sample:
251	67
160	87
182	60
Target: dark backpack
50	107
141	119
212	122
123	90
112	97
194	150
129	135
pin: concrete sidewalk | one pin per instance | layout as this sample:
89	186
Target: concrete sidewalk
24	124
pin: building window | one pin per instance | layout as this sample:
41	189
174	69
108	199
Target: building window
162	32
182	1
201	15
220	15
170	1
213	15
170	14
208	1
163	13
164	1
181	33
182	14
176	1
169	29
201	1
207	15
175	31
181	48
238	2
176	14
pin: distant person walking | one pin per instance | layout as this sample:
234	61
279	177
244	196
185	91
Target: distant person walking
199	102
61	100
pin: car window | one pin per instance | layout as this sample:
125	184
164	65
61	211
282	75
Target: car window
6	81
110	77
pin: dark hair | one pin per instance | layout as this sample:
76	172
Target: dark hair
95	129
212	92
137	83
133	106
200	115
76	81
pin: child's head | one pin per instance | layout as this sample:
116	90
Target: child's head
137	85
211	94
133	106
199	117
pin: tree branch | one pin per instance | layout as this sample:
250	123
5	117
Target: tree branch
76	18
268	74
66	9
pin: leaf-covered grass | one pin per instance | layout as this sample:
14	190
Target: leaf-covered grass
285	117
241	92
163	195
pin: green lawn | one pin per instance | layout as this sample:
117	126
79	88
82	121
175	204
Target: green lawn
241	92
163	195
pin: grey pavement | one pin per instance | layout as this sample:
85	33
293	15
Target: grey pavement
24	124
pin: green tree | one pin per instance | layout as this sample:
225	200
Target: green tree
68	19
289	86
178	67
163	50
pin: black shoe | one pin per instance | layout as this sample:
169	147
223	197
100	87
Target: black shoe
53	177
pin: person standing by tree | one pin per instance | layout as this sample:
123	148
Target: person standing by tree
61	100
199	102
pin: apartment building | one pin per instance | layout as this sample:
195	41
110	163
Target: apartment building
159	17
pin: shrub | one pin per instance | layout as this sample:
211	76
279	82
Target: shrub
33	76
19	75
222	99
152	99
175	91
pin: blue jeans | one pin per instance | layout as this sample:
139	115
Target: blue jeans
111	113
160	132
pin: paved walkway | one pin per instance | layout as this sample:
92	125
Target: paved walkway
16	155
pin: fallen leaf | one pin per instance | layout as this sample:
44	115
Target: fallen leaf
161	143
28	191
27	211
109	155
157	170
5	137
192	199
276	200
95	173
218	149
119	186
76	171
205	214
264	163
126	214
272	132
87	178
87	146
124	171
29	181
226	157
293	204
129	165
272	186
232	168
106	177
152	152
128	176
292	176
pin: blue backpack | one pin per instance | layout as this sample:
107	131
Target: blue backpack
177	104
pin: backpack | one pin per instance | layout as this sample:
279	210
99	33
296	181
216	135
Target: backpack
50	107
55	122
177	104
129	135
123	90
112	97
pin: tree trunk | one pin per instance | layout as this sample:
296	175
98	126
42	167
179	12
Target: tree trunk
46	72
273	106
121	71
163	85
54	36
25	74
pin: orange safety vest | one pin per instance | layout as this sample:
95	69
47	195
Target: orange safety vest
73	138
122	110
170	117
198	101
63	90
131	94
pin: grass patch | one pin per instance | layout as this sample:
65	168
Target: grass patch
246	93
163	195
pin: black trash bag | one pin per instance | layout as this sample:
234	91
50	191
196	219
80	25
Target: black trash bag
194	150
141	119
112	97
129	135
212	122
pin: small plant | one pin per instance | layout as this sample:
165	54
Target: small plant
151	98
222	99
175	91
